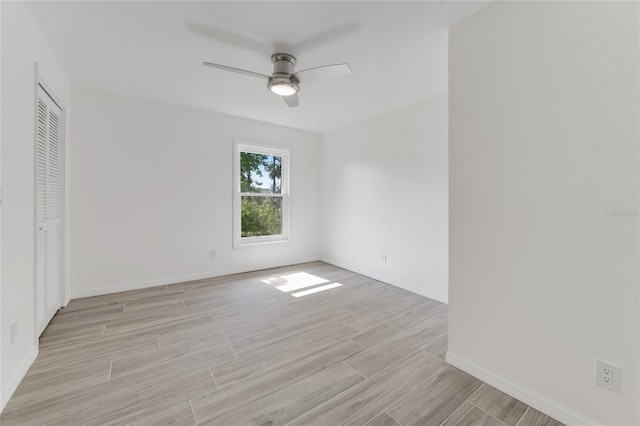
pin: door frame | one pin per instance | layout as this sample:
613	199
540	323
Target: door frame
40	82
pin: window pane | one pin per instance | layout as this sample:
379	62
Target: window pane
261	216
260	173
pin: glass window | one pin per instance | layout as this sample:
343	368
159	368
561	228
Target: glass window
261	194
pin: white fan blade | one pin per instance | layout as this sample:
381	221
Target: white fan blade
238	70
291	100
322	73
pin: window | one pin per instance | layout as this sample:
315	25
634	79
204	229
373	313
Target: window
261	194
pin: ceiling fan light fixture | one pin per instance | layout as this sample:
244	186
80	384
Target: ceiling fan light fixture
283	86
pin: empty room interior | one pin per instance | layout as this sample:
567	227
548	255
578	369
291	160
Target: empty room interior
320	213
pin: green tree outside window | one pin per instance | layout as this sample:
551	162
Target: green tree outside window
261	201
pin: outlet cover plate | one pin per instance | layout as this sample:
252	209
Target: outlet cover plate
608	375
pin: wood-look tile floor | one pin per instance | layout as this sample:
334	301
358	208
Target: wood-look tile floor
309	344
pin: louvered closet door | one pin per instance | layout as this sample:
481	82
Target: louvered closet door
48	208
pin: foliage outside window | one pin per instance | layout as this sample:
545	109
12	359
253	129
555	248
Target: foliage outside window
261	194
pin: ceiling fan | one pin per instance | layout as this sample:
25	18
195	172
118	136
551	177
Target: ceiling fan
284	81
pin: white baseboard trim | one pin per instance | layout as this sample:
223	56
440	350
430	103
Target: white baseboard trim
77	294
443	298
17	376
519	392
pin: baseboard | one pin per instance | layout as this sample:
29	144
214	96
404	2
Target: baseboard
137	285
77	294
17	376
443	298
519	392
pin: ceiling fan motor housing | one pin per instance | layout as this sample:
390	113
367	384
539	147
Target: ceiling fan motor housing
283	74
283	63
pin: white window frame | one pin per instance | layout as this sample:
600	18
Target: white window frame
267	149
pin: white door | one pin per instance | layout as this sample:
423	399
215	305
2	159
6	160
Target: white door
48	208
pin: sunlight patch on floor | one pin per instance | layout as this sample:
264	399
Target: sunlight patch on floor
292	282
316	290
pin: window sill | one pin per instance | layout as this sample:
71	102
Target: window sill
258	241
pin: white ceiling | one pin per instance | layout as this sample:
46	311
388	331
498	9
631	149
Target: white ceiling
155	50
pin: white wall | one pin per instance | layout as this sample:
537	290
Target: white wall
544	107
22	46
152	194
1	329
384	191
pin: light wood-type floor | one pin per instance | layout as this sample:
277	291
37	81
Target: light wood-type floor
310	344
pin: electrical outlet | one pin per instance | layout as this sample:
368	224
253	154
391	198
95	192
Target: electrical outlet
212	254
383	258
608	375
14	332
